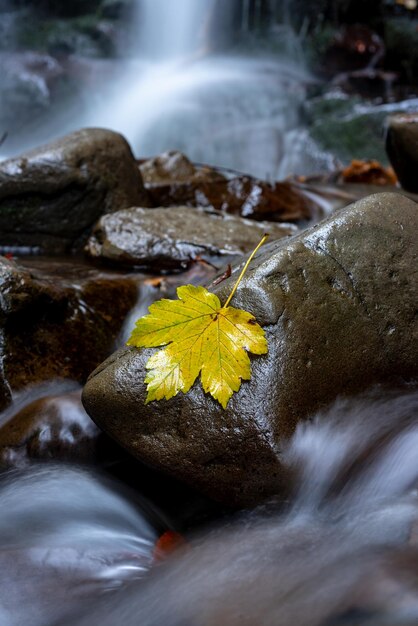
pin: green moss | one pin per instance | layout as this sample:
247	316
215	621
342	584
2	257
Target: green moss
356	136
342	125
329	105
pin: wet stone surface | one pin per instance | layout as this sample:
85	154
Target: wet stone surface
57	320
51	196
172	180
244	196
51	427
172	238
329	300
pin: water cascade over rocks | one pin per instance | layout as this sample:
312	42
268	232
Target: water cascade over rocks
297	504
216	106
342	551
67	535
180	82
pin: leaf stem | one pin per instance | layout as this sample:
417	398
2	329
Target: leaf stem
244	269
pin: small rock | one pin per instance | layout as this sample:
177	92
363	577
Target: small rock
242	195
171	238
50	197
58	322
338	303
174	167
51	427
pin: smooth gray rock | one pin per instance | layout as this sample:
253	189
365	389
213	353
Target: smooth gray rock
51	196
339	307
167	238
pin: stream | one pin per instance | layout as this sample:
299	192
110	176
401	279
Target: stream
295	503
340	549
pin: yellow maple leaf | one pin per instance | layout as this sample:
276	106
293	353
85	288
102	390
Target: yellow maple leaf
201	337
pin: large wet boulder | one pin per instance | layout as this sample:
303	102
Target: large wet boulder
57	321
338	304
51	196
172	238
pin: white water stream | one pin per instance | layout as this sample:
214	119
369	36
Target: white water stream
182	83
341	550
180	93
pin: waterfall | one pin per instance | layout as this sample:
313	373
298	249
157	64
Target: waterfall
211	78
182	91
173	30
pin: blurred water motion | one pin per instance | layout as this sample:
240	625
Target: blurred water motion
225	109
66	536
341	549
181	83
343	552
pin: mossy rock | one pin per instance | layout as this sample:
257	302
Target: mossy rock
342	125
333	105
353	137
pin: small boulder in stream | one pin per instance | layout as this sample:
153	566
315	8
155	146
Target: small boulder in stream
51	196
50	427
172	180
339	306
172	238
57	320
174	167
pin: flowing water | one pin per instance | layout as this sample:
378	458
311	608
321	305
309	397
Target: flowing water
342	548
77	549
222	108
66	535
183	84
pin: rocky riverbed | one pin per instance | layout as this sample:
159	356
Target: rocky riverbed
90	237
